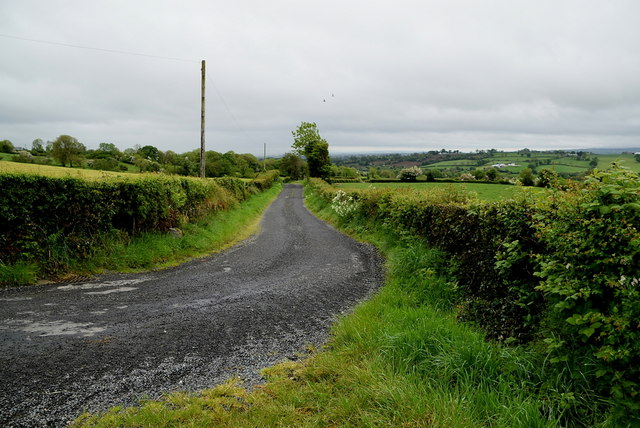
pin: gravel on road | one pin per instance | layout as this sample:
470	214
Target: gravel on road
118	338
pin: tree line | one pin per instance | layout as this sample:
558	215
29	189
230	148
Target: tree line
309	157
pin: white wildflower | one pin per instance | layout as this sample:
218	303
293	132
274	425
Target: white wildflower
343	204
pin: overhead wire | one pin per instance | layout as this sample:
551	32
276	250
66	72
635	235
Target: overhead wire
69	45
224	103
121	52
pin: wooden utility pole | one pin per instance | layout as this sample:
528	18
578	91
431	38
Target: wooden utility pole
264	158
202	123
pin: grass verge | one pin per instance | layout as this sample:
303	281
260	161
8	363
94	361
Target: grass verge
399	360
215	233
156	250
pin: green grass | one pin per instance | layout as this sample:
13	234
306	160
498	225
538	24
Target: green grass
400	359
448	164
215	233
626	160
564	169
18	274
484	191
116	251
56	171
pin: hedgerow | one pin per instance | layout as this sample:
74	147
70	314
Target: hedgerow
47	220
560	273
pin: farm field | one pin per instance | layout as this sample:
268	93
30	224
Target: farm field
484	191
625	160
56	171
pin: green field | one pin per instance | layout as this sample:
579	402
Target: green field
452	163
55	171
625	160
484	191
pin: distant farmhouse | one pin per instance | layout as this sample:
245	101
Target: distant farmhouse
503	165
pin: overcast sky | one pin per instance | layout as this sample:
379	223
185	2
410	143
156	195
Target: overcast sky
374	75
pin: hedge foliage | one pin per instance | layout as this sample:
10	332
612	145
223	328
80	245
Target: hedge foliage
43	217
562	273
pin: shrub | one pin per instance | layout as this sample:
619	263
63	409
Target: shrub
48	220
410	174
592	283
562	272
344	205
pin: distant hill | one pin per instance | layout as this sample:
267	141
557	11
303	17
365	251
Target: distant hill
605	151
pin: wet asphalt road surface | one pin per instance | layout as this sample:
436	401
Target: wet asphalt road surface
118	338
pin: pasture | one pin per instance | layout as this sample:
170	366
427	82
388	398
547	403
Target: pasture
56	171
484	191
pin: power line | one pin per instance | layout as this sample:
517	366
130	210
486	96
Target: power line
224	103
114	51
68	45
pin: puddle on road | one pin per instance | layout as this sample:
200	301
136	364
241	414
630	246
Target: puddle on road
114	290
53	328
105	284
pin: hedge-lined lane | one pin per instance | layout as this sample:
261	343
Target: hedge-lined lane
118	339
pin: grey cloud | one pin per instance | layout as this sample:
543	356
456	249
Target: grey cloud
416	75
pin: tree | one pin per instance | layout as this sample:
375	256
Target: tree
526	177
492	174
479	174
548	178
410	174
66	149
37	147
293	166
6	146
308	143
149	152
108	150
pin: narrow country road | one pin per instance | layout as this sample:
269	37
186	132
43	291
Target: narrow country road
118	338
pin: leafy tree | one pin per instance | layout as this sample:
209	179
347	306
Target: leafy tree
492	174
410	174
547	178
66	149
293	166
594	162
637	157
105	164
146	165
387	173
149	152
479	174
526	177
109	150
37	147
6	146
308	143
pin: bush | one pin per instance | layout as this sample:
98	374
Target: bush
49	220
592	283
410	174
562	272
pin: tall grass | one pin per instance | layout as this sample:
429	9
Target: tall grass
118	251
400	359
214	233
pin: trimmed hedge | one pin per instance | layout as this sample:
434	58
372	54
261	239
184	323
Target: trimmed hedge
562	273
43	216
500	296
